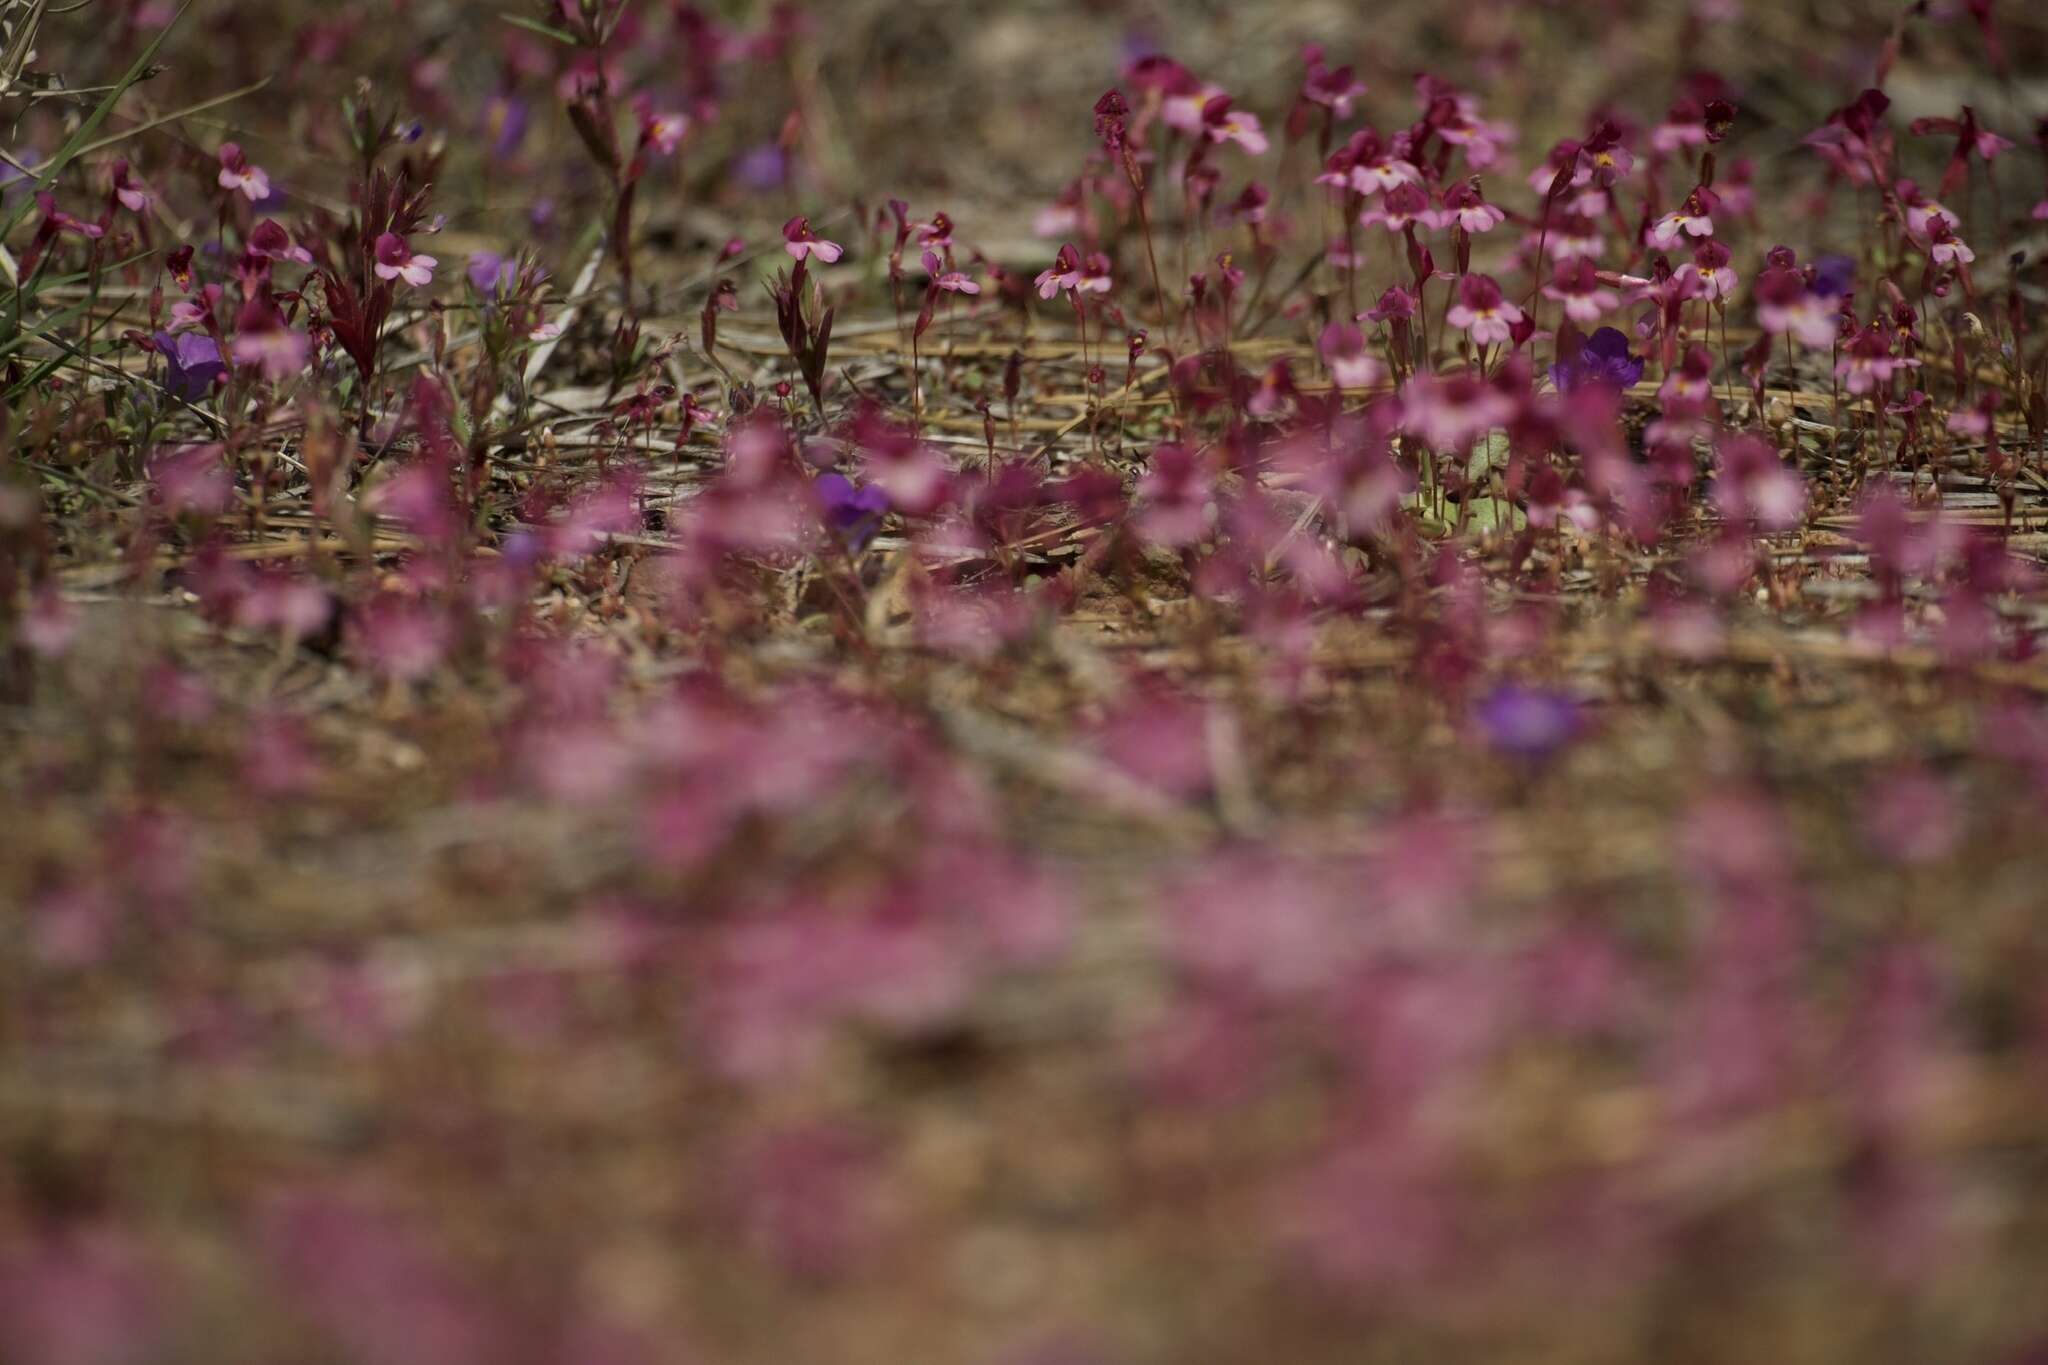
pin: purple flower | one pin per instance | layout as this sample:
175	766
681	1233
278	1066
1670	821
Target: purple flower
761	168
505	118
192	362
1833	275
487	270
1603	359
851	511
1528	724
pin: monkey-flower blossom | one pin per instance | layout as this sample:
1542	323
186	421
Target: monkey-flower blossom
237	174
396	261
1481	310
799	241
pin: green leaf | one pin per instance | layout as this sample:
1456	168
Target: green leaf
81	139
1494	514
1490	453
562	36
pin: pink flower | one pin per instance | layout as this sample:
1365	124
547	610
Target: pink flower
270	241
1450	412
1481	310
1182	110
1221	123
396	261
1685	126
664	132
1754	484
1351	366
1922	212
1693	218
1868	363
1063	273
1466	208
263	340
1094	275
1948	249
237	174
190	313
1578	289
799	241
134	195
952	281
1172	507
1710	266
1333	90
1784	303
1404	205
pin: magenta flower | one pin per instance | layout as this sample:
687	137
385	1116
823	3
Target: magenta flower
1222	123
1094	275
1868	363
1785	303
1693	218
664	132
1465	207
1450	412
1481	310
1172	507
135	196
396	261
1063	273
1945	248
1754	485
800	242
952	281
237	174
1577	287
1351	366
189	313
263	340
1921	211
56	220
487	270
1405	205
1685	126
269	240
1333	90
1709	265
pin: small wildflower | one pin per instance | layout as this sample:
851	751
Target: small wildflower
1482	311
664	132
1465	207
1601	359
1063	273
192	362
1222	123
237	174
1710	266
952	281
1528	724
1693	218
1868	363
1351	366
263	340
1578	289
396	261
269	240
135	196
800	242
